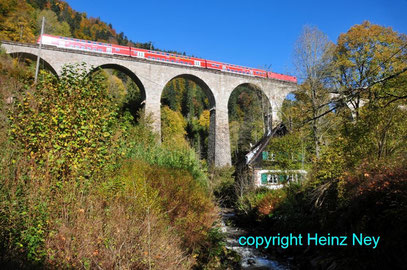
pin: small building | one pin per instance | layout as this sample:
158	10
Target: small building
275	179
274	170
267	174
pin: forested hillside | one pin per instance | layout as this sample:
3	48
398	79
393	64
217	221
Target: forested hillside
20	20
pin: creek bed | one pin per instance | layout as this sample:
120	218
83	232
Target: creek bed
251	258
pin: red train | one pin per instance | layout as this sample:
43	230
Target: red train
99	47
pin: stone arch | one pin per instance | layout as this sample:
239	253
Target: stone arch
238	131
134	105
267	101
126	71
43	63
212	109
200	83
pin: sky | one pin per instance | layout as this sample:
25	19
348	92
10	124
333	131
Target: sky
258	34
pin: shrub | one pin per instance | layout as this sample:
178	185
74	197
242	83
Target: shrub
65	126
222	185
69	200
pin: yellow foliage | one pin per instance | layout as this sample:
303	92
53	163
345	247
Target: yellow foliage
18	24
204	119
173	128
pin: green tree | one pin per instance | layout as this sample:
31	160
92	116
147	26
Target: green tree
369	58
52	25
66	124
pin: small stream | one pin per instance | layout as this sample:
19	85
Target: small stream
252	258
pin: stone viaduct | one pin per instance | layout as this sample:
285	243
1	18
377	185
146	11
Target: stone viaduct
151	78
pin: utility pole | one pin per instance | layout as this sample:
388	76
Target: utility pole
39	51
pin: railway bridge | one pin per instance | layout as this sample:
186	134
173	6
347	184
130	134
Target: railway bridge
151	78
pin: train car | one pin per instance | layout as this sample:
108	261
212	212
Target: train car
281	77
76	44
49	40
199	62
121	50
213	65
137	52
168	57
99	47
234	68
259	73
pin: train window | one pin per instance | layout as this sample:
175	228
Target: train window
116	49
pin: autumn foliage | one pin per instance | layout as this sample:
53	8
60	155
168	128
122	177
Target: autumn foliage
357	178
79	189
